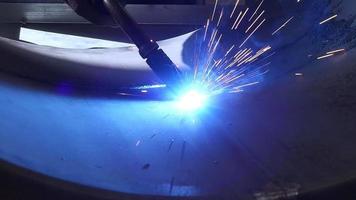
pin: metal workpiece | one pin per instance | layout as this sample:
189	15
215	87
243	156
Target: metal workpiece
270	112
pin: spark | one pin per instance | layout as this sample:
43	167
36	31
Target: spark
325	56
206	28
233	11
151	86
220	70
253	23
335	51
213	15
237	25
228	51
221	14
260	52
237	19
283	25
252	32
238	88
212	38
330	53
328	19
258	7
239	53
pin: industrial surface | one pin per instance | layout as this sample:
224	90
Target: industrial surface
66	124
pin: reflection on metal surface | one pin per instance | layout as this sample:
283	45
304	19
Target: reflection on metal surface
66	41
273	192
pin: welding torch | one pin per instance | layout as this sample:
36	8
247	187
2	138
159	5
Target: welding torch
112	13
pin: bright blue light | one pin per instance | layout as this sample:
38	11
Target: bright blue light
192	100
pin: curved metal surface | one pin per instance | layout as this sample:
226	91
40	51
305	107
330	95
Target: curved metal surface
293	133
114	68
96	142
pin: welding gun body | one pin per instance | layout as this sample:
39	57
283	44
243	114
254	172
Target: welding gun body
111	12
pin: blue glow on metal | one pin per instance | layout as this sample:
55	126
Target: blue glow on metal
150	86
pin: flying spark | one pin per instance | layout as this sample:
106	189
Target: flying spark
335	51
325	56
283	25
233	11
227	70
230	65
328	19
